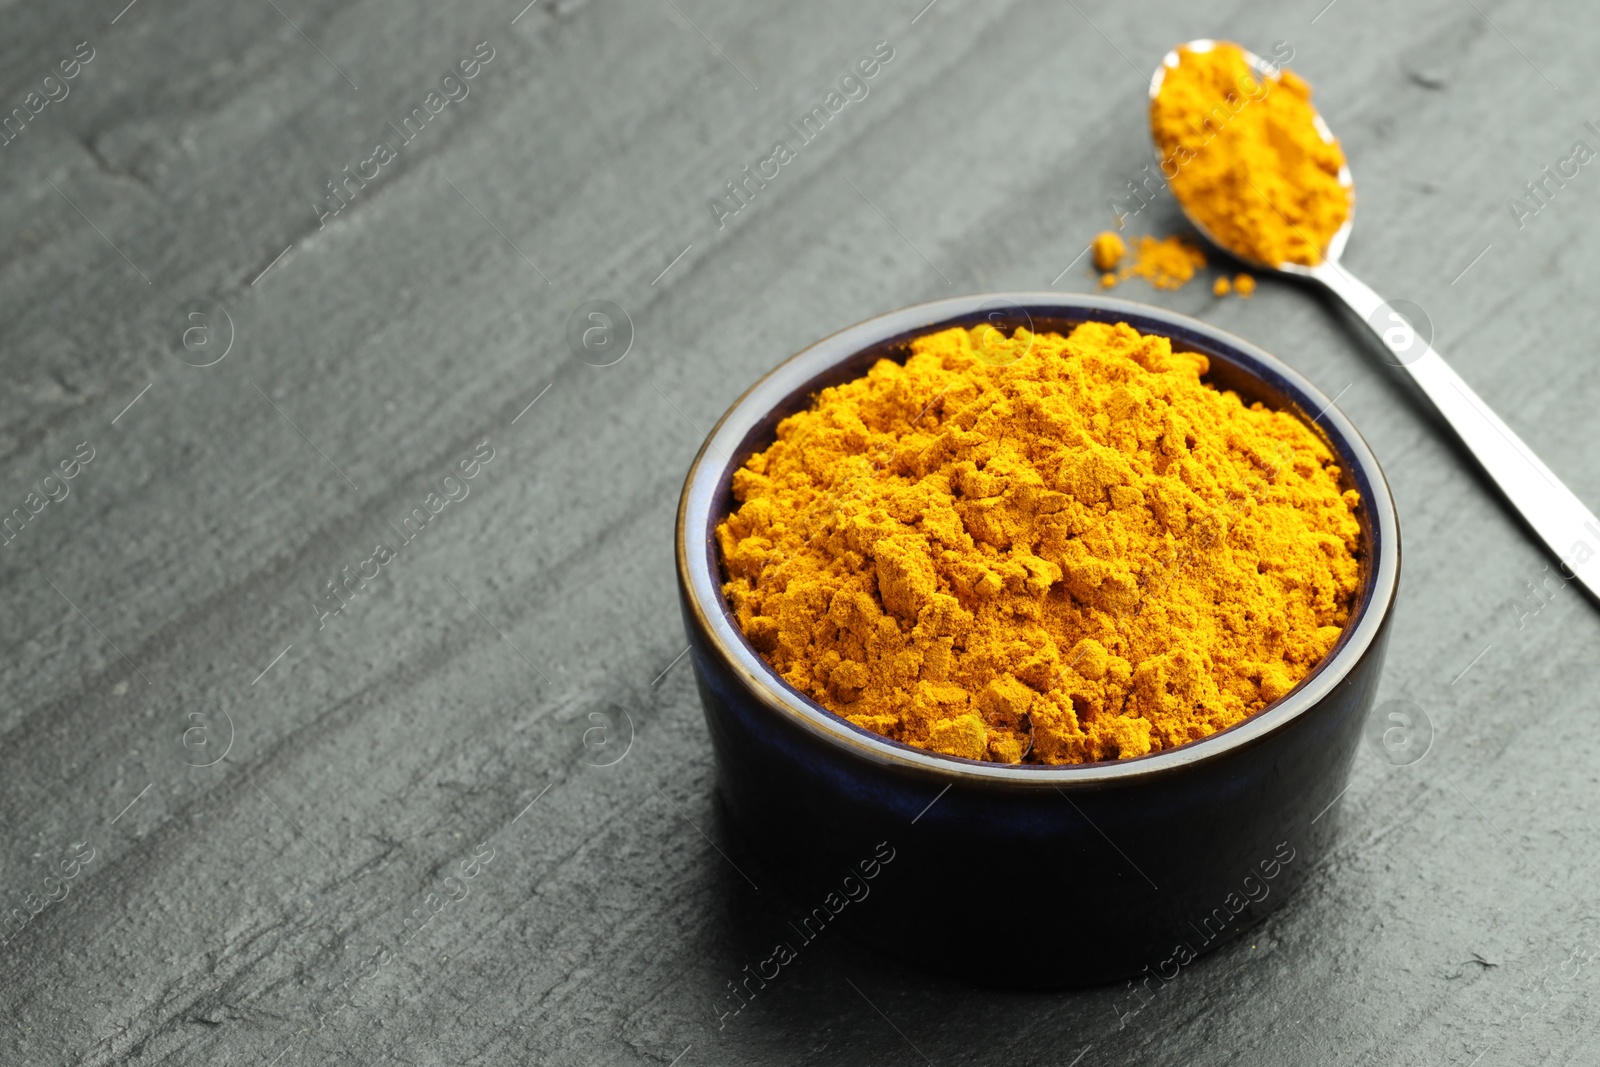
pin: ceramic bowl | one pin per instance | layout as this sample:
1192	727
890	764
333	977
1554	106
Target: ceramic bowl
1022	874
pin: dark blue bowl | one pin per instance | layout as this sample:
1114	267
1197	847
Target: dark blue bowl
1023	874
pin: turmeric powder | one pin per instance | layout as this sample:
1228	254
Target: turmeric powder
1166	263
1083	553
1108	250
1245	158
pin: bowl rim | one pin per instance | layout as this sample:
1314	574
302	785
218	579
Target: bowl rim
701	588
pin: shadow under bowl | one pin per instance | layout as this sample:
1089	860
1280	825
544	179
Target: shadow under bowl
1027	875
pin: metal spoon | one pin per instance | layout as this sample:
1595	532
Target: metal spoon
1563	523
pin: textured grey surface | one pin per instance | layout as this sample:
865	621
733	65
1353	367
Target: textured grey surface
251	911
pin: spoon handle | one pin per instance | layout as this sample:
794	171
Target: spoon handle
1569	529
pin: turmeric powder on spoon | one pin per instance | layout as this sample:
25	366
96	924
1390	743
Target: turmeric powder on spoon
1247	156
1041	548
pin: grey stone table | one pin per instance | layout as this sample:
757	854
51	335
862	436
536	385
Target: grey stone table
279	273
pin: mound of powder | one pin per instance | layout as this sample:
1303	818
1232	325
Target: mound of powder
1245	158
1042	548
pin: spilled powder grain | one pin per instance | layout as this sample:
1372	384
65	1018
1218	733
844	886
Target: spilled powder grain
1164	262
1108	250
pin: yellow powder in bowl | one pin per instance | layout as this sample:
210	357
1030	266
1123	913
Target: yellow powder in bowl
1041	548
1245	158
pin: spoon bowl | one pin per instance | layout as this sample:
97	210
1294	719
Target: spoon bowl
1265	72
